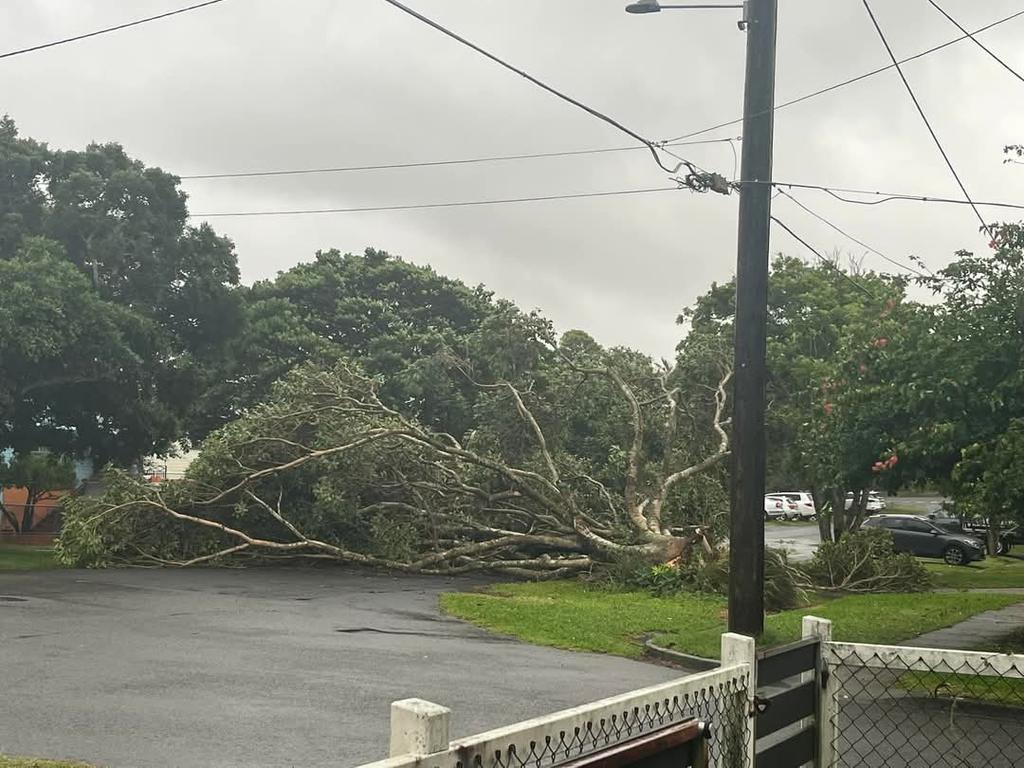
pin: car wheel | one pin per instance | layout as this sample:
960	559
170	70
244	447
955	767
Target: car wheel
1001	548
954	555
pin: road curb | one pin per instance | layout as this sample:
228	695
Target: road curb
696	663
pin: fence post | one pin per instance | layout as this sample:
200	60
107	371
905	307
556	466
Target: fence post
740	649
418	727
828	695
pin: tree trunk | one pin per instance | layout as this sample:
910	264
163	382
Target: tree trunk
822	508
28	517
993	535
10	518
838	513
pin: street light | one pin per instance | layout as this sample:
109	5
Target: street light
746	519
653	6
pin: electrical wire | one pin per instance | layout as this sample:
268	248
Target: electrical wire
852	80
823	260
885	196
847	235
135	23
431	163
421	206
924	117
651	145
976	41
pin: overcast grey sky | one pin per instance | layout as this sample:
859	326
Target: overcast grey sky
265	84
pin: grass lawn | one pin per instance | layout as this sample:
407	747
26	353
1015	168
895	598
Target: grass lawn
23	558
580	617
26	762
992	572
994	690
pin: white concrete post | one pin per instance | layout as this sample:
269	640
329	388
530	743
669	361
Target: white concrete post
740	649
828	696
418	727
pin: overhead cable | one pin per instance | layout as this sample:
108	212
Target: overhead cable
421	206
823	260
847	235
924	117
432	163
852	80
697	177
976	41
104	31
884	197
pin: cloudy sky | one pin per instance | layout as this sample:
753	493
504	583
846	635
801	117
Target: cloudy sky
263	85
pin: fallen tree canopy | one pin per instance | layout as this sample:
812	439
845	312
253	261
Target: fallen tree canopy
326	469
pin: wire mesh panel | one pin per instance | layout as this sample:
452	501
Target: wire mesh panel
908	707
718	698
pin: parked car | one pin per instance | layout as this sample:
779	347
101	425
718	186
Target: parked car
978	529
874	504
920	536
804	502
776	507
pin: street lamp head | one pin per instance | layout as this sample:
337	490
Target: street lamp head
644	6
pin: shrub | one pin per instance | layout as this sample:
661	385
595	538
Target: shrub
866	561
784	582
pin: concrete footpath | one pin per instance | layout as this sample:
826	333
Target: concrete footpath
980	630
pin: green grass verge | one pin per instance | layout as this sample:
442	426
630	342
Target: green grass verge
23	558
990	573
27	762
993	690
576	616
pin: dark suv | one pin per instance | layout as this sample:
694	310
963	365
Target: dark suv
919	536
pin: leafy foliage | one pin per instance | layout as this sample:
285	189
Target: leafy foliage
113	309
783	581
866	561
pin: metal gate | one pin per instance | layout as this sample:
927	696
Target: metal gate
789	683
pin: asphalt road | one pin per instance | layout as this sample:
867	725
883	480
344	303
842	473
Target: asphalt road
210	668
800	540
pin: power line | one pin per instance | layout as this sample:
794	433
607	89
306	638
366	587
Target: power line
823	260
580	195
847	235
695	171
857	79
884	197
104	31
421	206
924	117
976	41
432	163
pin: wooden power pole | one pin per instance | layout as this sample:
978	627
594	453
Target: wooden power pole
746	526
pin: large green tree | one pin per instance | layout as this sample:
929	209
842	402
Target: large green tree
120	340
824	326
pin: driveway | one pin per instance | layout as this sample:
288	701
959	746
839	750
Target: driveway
209	668
800	540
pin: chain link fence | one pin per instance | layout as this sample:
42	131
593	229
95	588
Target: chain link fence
721	707
719	699
910	707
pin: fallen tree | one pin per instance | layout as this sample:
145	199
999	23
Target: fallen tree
326	469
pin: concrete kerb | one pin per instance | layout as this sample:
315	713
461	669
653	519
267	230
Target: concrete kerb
686	660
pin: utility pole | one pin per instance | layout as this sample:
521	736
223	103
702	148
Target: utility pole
746	522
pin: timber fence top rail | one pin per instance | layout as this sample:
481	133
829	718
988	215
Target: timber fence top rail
981	663
717	695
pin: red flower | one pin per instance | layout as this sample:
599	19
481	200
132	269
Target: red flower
879	343
827	408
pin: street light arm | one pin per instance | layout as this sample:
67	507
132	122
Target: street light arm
653	6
